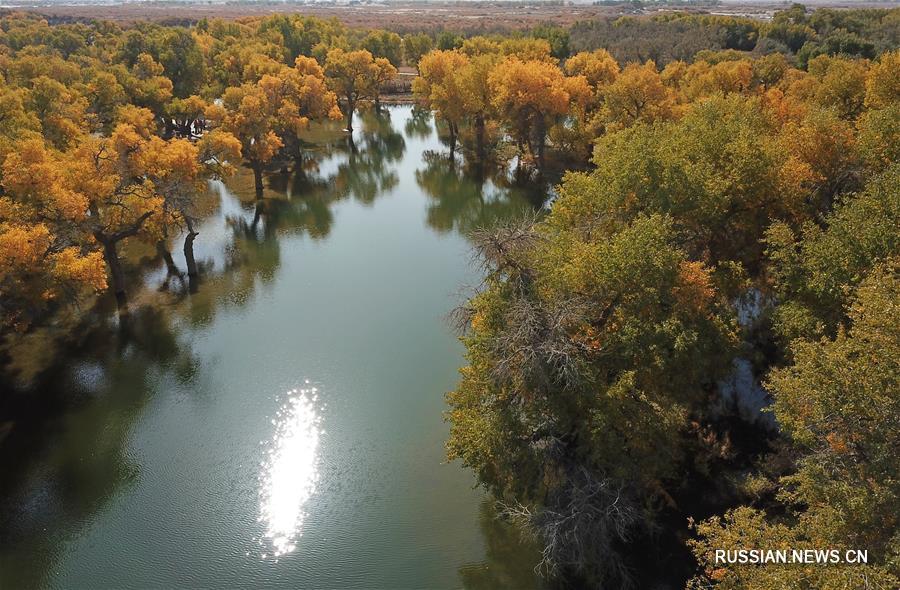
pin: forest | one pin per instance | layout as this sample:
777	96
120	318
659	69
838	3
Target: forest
726	202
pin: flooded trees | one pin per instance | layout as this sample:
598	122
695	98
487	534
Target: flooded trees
438	86
356	77
266	114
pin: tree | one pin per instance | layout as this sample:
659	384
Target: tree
105	96
182	61
598	67
355	77
15	120
837	402
473	83
879	137
111	173
60	110
254	114
416	45
308	88
386	44
185	117
637	94
716	173
272	112
179	171
882	87
579	379
529	97
815	275
438	87
43	260
146	84
384	73
840	83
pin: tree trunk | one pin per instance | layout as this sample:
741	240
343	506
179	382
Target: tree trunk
452	127
298	158
189	250
109	243
541	142
479	136
116	273
258	179
164	253
351	105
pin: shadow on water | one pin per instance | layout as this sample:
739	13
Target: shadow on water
462	202
67	455
509	556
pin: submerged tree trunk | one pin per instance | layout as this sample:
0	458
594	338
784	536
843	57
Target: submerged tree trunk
109	242
453	133
116	273
163	251
189	249
258	179
479	136
298	157
541	143
351	105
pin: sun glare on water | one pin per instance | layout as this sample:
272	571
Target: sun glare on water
290	471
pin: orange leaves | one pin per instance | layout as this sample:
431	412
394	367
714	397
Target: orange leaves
598	67
440	84
883	81
33	273
280	105
22	248
693	288
139	118
146	67
219	151
34	177
356	75
88	270
60	110
638	94
521	86
308	66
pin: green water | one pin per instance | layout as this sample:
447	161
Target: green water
281	426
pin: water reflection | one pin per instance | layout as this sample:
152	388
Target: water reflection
66	457
509	557
463	202
142	444
419	123
290	471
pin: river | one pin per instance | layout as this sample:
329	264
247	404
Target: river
282	425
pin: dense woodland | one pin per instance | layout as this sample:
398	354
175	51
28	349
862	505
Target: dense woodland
734	197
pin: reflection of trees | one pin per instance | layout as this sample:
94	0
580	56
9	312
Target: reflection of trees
509	557
298	202
463	202
366	173
67	456
419	123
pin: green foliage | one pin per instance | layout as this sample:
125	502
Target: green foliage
838	403
816	275
714	172
586	351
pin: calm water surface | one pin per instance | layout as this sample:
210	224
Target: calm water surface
281	427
